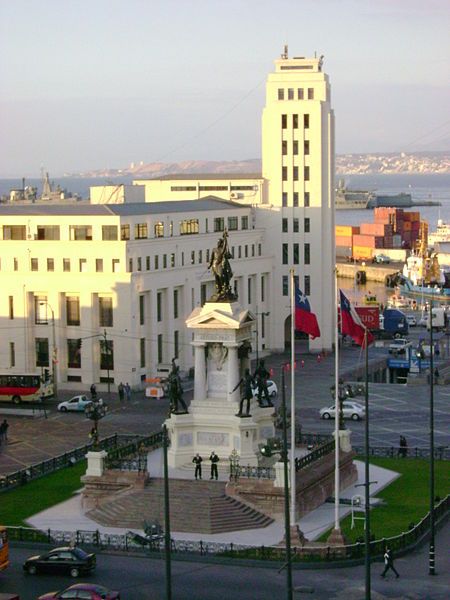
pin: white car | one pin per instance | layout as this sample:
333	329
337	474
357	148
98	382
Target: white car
352	410
411	320
271	388
399	346
76	404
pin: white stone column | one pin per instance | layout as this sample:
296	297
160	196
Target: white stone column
200	391
233	373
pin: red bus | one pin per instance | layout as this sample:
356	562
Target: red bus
19	388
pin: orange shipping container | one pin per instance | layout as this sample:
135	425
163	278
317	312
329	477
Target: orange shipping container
371	241
344	241
407	226
381	229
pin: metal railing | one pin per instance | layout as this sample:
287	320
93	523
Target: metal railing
132	542
311	439
237	471
126	454
440	452
137	463
316	454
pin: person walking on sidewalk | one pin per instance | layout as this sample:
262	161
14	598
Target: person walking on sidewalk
128	391
121	391
214	460
197	460
4	431
389	563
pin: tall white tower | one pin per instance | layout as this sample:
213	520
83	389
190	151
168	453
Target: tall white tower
298	165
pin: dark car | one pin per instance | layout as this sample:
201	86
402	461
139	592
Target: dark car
64	561
86	591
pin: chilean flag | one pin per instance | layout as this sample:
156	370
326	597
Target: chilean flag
305	320
351	324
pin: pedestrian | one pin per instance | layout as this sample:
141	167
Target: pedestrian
4	431
197	460
121	391
403	447
93	391
436	349
389	563
436	376
214	460
128	391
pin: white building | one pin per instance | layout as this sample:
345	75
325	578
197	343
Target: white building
122	274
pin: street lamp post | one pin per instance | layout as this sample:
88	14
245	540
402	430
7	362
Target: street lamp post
54	351
431	570
95	411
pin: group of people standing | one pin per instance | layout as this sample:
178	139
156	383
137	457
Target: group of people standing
124	391
214	459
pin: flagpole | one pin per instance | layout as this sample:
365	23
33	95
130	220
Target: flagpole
336	410
293	497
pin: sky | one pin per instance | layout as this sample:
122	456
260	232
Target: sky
92	84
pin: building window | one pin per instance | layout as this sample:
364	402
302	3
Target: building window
285	253
253	249
192	257
160	348
34	264
11	307
232	223
42	357
239	252
310	93
115	265
295	175
295	147
14	232
283	121
213	188
16	264
285	285
306	147
259	249
130	265
202	294
147	263
306	200
48	232
105	305
183	188
249	290
73	310
83	265
189	227
244	222
295	226
263	288
124	232
294	121
141	310
280	94
99	265
307	254
66	264
109	233
246	251
50	264
307	285
306	175
156	262
219	224
79	233
307	225
284	173
290	93
40	310
284	199
159	229
284	225
142	352
172	259
296	254
284	147
300	94
306	121
175	304
106	355
159	307
140	231
12	354
164	261
176	343
73	354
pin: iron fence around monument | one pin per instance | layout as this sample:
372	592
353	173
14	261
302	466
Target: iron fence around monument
440	452
314	455
133	542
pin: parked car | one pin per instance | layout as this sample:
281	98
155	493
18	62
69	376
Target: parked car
271	388
64	561
87	591
411	320
351	410
381	258
399	346
77	404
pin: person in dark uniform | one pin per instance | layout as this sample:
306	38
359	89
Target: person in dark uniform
214	460
389	563
197	460
247	393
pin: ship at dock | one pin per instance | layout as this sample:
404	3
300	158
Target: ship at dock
28	194
357	199
423	276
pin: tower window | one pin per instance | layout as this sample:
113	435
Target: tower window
290	93
284	173
310	93
306	199
284	199
283	121
285	258
296	254
307	285
295	177
280	94
306	121
307	254
284	225
306	147
295	147
300	94
295	121
307	225
285	285
284	147
306	174
295	226
295	200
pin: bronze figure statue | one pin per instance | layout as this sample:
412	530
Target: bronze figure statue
176	391
220	266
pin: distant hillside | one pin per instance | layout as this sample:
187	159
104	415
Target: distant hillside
346	164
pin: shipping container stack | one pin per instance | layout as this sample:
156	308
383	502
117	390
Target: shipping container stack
392	228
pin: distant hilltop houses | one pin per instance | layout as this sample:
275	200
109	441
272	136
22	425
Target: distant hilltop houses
346	164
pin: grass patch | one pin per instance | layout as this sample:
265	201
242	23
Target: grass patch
406	498
21	503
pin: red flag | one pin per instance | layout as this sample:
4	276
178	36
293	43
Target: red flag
305	320
351	323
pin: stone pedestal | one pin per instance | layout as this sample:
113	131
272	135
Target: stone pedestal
345	444
337	538
222	331
95	463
